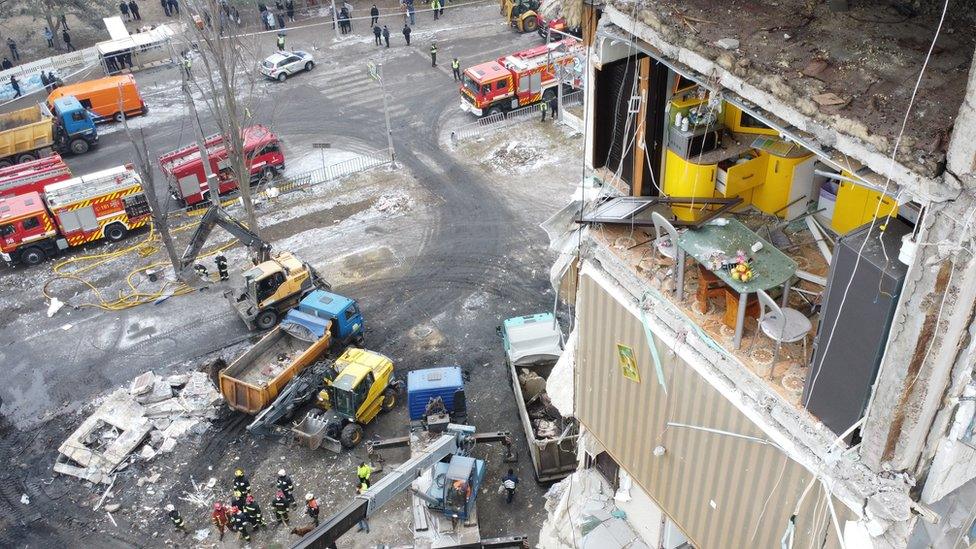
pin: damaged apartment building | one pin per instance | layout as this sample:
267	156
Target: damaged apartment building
771	259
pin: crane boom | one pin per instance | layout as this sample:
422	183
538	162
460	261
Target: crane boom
215	215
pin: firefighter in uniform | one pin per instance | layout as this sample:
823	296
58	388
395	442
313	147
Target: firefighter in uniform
219	518
253	512
201	271
456	68
363	472
221	262
544	108
238	521
312	507
285	484
187	64
433	55
238	500
241	483
281	41
175	518
280	505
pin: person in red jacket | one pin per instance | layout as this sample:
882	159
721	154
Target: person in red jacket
219	518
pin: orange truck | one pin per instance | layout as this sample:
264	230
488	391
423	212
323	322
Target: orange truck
516	80
106	204
108	98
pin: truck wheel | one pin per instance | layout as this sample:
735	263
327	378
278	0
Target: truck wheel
6	163
268	174
32	256
494	110
389	400
266	319
115	232
26	157
79	146
530	24
119	116
352	435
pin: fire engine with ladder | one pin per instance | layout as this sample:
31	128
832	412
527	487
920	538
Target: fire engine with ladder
106	204
33	176
517	80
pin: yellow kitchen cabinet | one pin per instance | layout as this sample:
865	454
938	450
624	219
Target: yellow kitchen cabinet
740	179
740	122
856	205
787	180
686	179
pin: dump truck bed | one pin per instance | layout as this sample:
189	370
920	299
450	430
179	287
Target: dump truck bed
253	380
25	130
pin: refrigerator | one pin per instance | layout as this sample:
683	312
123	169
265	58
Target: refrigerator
851	339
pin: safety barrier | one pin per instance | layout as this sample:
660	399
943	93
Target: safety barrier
280	185
57	63
506	119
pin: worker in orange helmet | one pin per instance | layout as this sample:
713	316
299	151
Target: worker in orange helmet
219	518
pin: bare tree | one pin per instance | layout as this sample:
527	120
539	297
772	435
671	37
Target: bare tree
53	12
226	84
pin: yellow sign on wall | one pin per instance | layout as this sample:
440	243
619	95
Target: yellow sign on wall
628	363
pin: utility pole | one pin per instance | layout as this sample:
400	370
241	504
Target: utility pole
376	73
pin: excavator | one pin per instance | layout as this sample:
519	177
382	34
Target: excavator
522	15
275	282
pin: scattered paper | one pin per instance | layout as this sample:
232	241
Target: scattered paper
54	307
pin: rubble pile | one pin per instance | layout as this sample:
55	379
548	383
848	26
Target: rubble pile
138	423
546	421
582	514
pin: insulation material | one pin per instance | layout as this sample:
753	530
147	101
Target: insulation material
559	386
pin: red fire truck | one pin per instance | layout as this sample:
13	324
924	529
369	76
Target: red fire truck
188	181
106	204
516	80
32	176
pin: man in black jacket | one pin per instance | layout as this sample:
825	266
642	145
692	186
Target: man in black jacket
406	33
374	13
386	36
377	31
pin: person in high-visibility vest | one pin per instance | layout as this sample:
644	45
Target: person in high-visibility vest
363	472
544	108
433	55
456	67
435	5
281	42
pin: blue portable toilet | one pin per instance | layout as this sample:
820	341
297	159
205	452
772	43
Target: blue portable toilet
443	381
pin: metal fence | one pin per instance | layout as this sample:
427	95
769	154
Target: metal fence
506	119
269	189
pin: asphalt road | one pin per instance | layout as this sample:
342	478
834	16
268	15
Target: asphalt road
472	254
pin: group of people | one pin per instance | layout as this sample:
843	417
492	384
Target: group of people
49	36
170	7
276	19
243	515
130	10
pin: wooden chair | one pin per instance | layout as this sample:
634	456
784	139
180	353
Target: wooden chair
782	324
709	286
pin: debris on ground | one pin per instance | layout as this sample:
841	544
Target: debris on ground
160	410
54	307
582	513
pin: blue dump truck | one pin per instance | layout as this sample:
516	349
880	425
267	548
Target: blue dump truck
533	344
435	396
322	320
34	132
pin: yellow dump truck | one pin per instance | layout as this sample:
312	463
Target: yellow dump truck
33	132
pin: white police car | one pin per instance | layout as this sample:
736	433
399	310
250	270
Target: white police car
279	66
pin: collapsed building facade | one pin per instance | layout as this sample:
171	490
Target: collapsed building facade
834	154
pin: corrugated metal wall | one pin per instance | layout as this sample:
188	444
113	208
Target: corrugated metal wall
714	487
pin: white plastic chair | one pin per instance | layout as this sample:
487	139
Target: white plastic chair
782	324
667	245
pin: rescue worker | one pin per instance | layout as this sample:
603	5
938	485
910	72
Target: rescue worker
554	107
253	513
456	68
201	271
433	55
238	521
312	507
374	14
241	483
285	484
238	500
280	505
221	262
363	472
435	5
406	33
187	64
175	518
377	32
544	108
281	41
510	482
219	518
386	36
15	85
